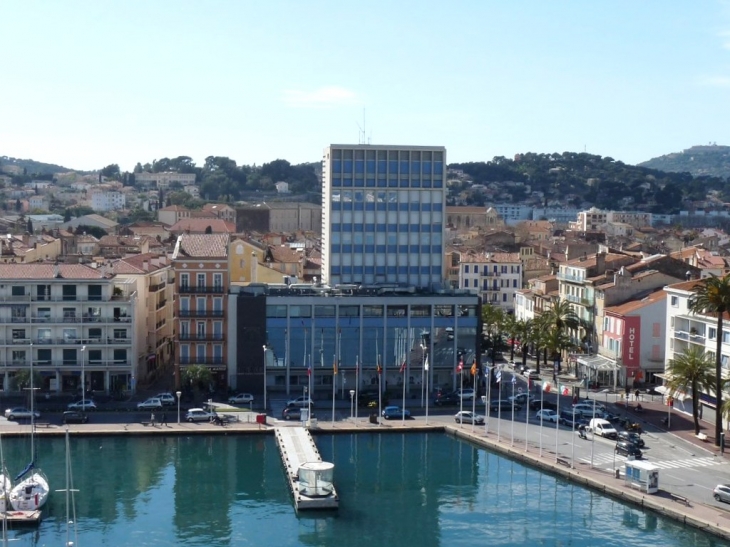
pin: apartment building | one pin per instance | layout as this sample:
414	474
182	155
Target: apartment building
162	181
200	263
69	321
108	201
494	276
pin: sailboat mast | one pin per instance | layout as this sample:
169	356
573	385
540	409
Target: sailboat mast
32	409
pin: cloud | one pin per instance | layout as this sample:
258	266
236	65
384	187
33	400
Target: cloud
324	97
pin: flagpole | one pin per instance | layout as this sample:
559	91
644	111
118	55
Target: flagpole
357	384
499	404
334	378
474	397
403	375
527	410
460	369
487	409
512	425
542	419
378	371
557	424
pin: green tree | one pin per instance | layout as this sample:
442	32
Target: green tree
67	215
492	321
196	378
692	372
22	380
511	328
30	226
711	296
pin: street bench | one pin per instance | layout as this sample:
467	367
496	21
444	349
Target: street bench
42	424
681	499
702	437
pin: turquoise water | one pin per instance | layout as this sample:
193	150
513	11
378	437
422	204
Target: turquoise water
409	490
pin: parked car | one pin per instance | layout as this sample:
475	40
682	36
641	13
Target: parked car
75	417
547	415
468	417
522	398
586	410
466	393
241	399
537	404
21	413
301	401
294	413
504	404
199	415
447	399
167	399
86	405
722	493
393	412
628	449
572	419
153	403
632	437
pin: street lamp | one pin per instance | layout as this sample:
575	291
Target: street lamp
178	393
83	380
264	378
352	401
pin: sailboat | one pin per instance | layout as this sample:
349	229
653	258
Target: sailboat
31	493
5	483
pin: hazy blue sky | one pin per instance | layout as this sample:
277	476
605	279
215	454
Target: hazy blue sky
88	83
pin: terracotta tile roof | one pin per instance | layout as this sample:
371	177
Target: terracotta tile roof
135	264
491	257
285	254
685	285
199	225
48	271
202	246
633	305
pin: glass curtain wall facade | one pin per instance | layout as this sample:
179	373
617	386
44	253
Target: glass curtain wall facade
383	214
309	335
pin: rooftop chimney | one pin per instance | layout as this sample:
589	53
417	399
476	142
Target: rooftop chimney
146	265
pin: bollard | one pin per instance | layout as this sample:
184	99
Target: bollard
722	442
618	473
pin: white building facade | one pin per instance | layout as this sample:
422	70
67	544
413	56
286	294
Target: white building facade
108	201
383	214
494	276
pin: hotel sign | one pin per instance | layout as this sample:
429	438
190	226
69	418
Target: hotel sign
632	342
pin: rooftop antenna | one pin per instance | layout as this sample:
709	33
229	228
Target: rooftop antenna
362	138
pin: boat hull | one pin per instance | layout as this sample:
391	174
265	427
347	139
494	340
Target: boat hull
30	494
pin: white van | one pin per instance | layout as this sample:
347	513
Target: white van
603	428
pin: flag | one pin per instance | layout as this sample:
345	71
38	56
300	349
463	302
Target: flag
474	367
565	390
379	367
514	379
403	367
334	366
460	366
498	376
425	365
546	387
309	370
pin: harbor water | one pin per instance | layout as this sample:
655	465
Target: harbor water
405	490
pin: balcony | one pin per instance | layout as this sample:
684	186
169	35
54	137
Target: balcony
490	274
200	337
200	313
65	298
571	278
161	304
201	361
67	364
693	338
157	287
577	300
205	289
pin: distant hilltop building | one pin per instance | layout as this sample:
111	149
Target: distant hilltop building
383	214
163	180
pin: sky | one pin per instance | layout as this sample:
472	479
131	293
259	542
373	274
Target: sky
85	84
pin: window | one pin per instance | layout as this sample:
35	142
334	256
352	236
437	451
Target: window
675	301
200	304
94	292
120	334
218	281
18	356
44	357
218	330
18	290
185	304
184	281
69	357
466	268
69	292
69	335
200	329
95	334
69	314
200	353
712	333
120	356
217	354
44	335
200	281
725	337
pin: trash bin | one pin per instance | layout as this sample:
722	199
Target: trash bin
618	473
373	418
261	419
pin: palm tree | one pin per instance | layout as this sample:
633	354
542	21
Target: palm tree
712	296
492	321
511	327
692	372
561	316
525	333
556	341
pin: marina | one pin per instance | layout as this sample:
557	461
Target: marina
310	479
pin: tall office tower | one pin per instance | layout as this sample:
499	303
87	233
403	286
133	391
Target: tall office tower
382	214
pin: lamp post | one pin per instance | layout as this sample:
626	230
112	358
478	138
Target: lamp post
264	378
178	393
83	380
352	401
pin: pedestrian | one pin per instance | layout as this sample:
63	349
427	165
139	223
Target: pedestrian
152	419
637	394
164	419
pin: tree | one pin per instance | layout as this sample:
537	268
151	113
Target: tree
111	172
196	378
67	215
511	327
22	379
712	296
692	372
18	205
208	230
30	226
492	321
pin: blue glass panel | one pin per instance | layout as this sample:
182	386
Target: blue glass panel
415	207
335	248
435	269
336	206
437	228
359	227
413	248
335	270
370	206
415	183
425	249
402	269
392	227
424	269
438	206
382	206
369	227
426	167
414	227
438	167
346	270
370	166
403	227
416	167
392	206
404	167
402	206
436	249
347	206
369	270
392	248
393	182
358	248
336	182
403	249
347	181
359	206
370	183
438	183
382	183
346	248
404	183
427	183
347	227
381	166
425	206
380	270
425	228
392	270
336	166
412	269
359	166
393	167
380	227
335	227
347	164
380	248
369	248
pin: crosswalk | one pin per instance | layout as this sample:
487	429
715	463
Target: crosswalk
608	458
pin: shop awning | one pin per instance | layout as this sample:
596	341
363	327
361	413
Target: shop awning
598	362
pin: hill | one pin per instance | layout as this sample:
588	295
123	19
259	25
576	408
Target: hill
32	167
710	160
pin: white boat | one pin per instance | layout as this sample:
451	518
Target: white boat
5	483
31	493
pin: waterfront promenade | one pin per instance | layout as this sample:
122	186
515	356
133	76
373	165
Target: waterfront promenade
696	512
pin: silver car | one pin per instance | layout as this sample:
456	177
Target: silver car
465	417
20	412
722	493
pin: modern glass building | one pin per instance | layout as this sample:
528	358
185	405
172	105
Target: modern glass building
308	329
383	214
